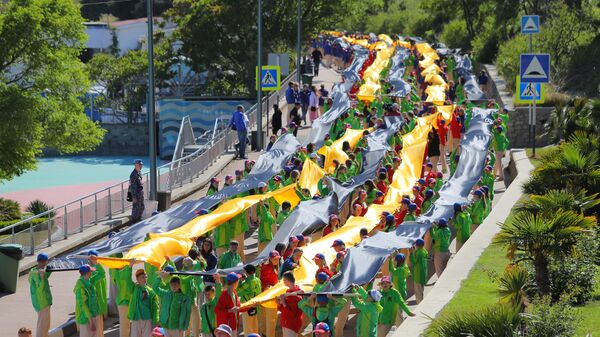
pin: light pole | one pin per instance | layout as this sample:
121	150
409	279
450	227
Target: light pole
298	41
150	105
259	93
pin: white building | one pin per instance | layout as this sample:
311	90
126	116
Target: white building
129	34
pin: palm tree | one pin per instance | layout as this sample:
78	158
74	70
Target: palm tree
553	200
539	237
513	285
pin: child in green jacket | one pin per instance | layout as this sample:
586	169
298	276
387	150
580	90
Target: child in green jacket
207	312
175	306
86	302
249	287
143	306
477	209
322	308
370	309
441	237
462	225
391	302
399	272
419	268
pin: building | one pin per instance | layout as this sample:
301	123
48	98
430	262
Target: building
125	35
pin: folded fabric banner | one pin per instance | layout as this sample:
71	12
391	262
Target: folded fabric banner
310	176
372	85
364	261
350	74
268	165
321	126
464	69
335	152
397	70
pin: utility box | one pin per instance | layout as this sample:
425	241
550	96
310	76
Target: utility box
10	255
164	200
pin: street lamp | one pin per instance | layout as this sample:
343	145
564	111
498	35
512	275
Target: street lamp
152	192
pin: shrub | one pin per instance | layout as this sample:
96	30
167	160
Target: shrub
24	226
9	210
38	207
546	319
498	320
455	35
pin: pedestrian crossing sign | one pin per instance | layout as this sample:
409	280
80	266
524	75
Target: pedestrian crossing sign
535	68
527	92
530	24
270	78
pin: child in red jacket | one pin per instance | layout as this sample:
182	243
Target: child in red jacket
228	306
291	315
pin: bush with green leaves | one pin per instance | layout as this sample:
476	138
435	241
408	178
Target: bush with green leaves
37	206
455	35
498	320
9	210
547	319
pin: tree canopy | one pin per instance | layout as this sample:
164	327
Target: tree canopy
41	81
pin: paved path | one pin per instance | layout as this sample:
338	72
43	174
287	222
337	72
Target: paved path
21	312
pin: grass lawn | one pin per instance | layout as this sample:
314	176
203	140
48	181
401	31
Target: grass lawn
538	153
590	324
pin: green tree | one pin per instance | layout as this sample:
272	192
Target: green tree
221	35
512	287
548	203
538	238
41	80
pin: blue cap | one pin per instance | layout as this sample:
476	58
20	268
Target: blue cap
300	237
232	277
42	257
478	193
400	257
385	213
322	298
412	206
390	217
406	201
429	193
253	335
321	328
93	252
419	242
379	194
485	188
416	188
111	234
337	242
169	269
138	161
322	276
421	181
319	256
442	221
86	268
203	211
457	206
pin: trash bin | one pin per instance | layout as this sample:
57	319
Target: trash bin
164	200
10	255
254	140
307	78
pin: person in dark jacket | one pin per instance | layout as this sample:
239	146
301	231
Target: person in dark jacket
276	119
210	257
136	189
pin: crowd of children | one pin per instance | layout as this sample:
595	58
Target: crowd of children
168	302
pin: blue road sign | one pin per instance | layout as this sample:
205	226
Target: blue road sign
270	78
530	24
535	68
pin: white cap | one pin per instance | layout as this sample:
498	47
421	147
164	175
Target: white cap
225	328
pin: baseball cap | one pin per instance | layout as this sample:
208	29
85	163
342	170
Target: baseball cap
321	328
419	242
86	268
390	217
421	181
375	294
225	328
387	279
396	159
215	180
234	242
232	277
379	194
457	206
319	256
93	252
277	178
440	175
239	172
274	253
138	161
400	257
300	237
442	221
478	193
228	177
322	298
406	201
412	206
416	188
293	239
169	269
429	193
262	184
429	164
322	276
42	257
337	242
202	211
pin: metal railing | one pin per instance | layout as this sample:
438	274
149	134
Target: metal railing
42	230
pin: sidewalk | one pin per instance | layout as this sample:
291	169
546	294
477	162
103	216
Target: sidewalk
21	312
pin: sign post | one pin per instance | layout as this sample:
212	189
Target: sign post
530	24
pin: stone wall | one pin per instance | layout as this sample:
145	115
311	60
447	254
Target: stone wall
518	125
